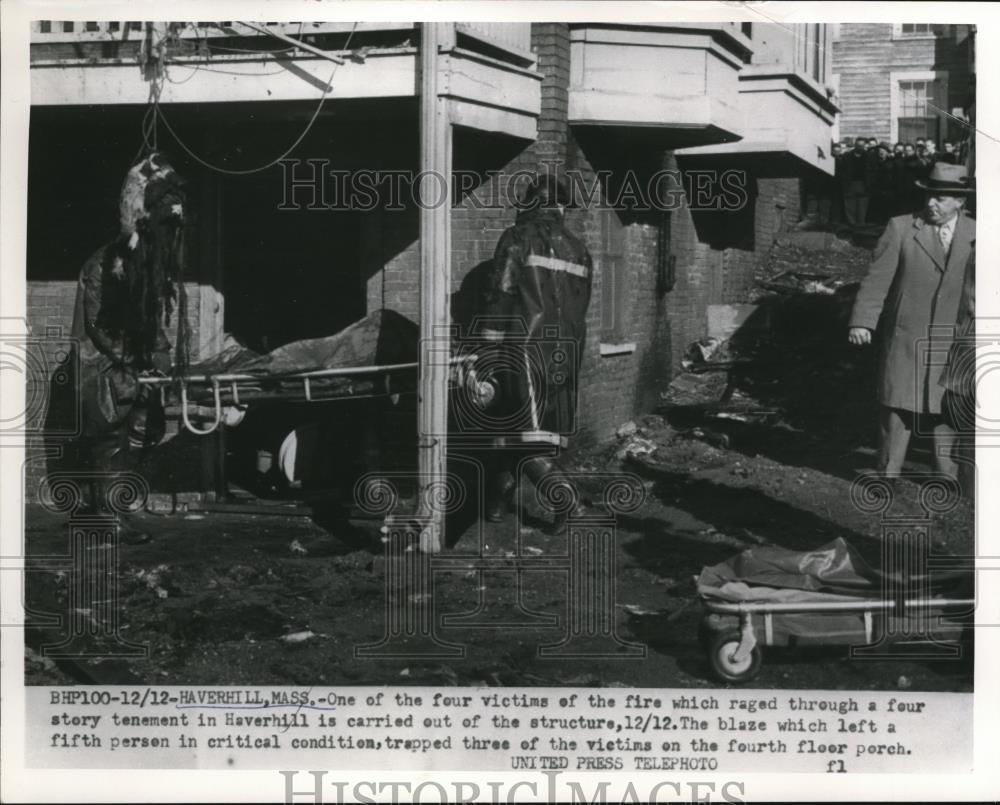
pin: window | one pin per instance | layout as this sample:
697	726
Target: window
917	110
918	101
818	53
902	30
914	97
614	286
746	28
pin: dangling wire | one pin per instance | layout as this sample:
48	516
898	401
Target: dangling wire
158	114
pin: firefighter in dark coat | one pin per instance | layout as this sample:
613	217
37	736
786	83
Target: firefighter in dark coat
537	309
125	296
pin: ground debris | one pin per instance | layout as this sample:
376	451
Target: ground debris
583	681
706	351
801	259
626	430
711	437
40	660
717	537
156	580
636	446
638	611
298	637
691	389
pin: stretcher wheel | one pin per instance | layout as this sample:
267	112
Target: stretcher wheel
724	666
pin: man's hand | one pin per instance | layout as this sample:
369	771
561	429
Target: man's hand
859	336
161	363
482	391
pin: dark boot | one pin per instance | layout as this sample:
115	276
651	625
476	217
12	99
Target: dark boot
553	484
500	501
110	460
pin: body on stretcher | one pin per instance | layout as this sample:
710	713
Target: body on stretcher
219	398
770	596
373	357
733	633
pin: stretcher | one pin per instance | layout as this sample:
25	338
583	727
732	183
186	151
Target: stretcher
372	358
216	393
774	597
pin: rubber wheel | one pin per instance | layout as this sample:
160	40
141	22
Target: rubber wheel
720	657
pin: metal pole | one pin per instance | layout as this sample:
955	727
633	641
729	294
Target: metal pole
296	42
435	276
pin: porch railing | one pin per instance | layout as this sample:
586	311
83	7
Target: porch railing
514	38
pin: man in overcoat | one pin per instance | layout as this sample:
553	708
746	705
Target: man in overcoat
911	297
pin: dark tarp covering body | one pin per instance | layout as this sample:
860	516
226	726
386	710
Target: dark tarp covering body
382	337
832	573
770	573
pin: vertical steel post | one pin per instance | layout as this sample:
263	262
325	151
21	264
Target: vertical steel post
435	275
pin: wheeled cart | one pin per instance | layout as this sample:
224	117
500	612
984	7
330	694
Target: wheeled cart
775	597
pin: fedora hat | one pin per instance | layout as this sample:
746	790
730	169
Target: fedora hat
945	178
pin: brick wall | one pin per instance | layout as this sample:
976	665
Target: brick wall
714	268
49	308
713	263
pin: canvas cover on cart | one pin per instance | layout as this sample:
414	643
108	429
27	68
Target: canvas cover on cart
382	337
832	572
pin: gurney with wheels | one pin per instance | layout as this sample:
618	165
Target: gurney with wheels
769	596
375	357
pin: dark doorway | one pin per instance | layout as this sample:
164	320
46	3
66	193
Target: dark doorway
287	274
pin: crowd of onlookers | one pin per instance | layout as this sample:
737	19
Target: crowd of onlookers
875	180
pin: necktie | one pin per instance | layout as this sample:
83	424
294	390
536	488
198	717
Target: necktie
944	235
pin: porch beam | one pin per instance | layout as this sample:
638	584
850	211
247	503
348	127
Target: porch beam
435	275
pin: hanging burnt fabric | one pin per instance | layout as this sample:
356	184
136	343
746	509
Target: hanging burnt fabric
128	292
152	225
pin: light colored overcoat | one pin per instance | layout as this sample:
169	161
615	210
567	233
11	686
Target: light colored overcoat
911	298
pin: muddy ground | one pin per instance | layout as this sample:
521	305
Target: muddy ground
275	599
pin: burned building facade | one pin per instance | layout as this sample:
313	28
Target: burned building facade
726	118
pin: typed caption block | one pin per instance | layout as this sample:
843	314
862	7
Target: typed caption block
494	729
